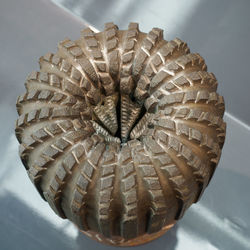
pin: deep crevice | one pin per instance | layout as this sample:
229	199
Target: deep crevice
142	113
118	116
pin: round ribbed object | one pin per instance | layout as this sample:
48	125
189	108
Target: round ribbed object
121	132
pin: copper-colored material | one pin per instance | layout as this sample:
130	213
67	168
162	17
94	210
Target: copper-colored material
119	241
121	132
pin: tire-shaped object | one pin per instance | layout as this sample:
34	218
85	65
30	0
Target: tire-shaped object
121	132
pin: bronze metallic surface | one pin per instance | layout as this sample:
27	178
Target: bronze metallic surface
121	132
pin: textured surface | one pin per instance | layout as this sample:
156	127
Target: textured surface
27	220
125	133
208	26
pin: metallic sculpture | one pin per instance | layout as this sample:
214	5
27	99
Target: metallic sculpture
121	132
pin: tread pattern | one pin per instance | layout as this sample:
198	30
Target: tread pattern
111	46
44	80
158	206
121	131
129	194
149	44
193	163
177	180
129	113
65	166
106	181
87	173
99	61
51	152
61	67
168	51
40	136
127	57
76	56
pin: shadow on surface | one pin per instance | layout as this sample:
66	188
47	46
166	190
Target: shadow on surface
166	242
220	219
22	228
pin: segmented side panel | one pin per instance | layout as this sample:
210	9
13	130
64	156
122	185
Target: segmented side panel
127	83
45	159
168	51
54	189
129	109
106	189
111	47
158	205
129	191
41	136
87	174
101	66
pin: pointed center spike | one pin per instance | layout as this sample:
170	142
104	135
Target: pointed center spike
130	112
106	113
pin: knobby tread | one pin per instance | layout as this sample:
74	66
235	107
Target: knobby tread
88	171
45	96
184	63
64	168
99	61
51	81
60	66
46	113
129	46
41	136
111	44
158	206
129	192
200	169
75	55
195	136
165	53
106	183
45	160
148	46
71	50
177	180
